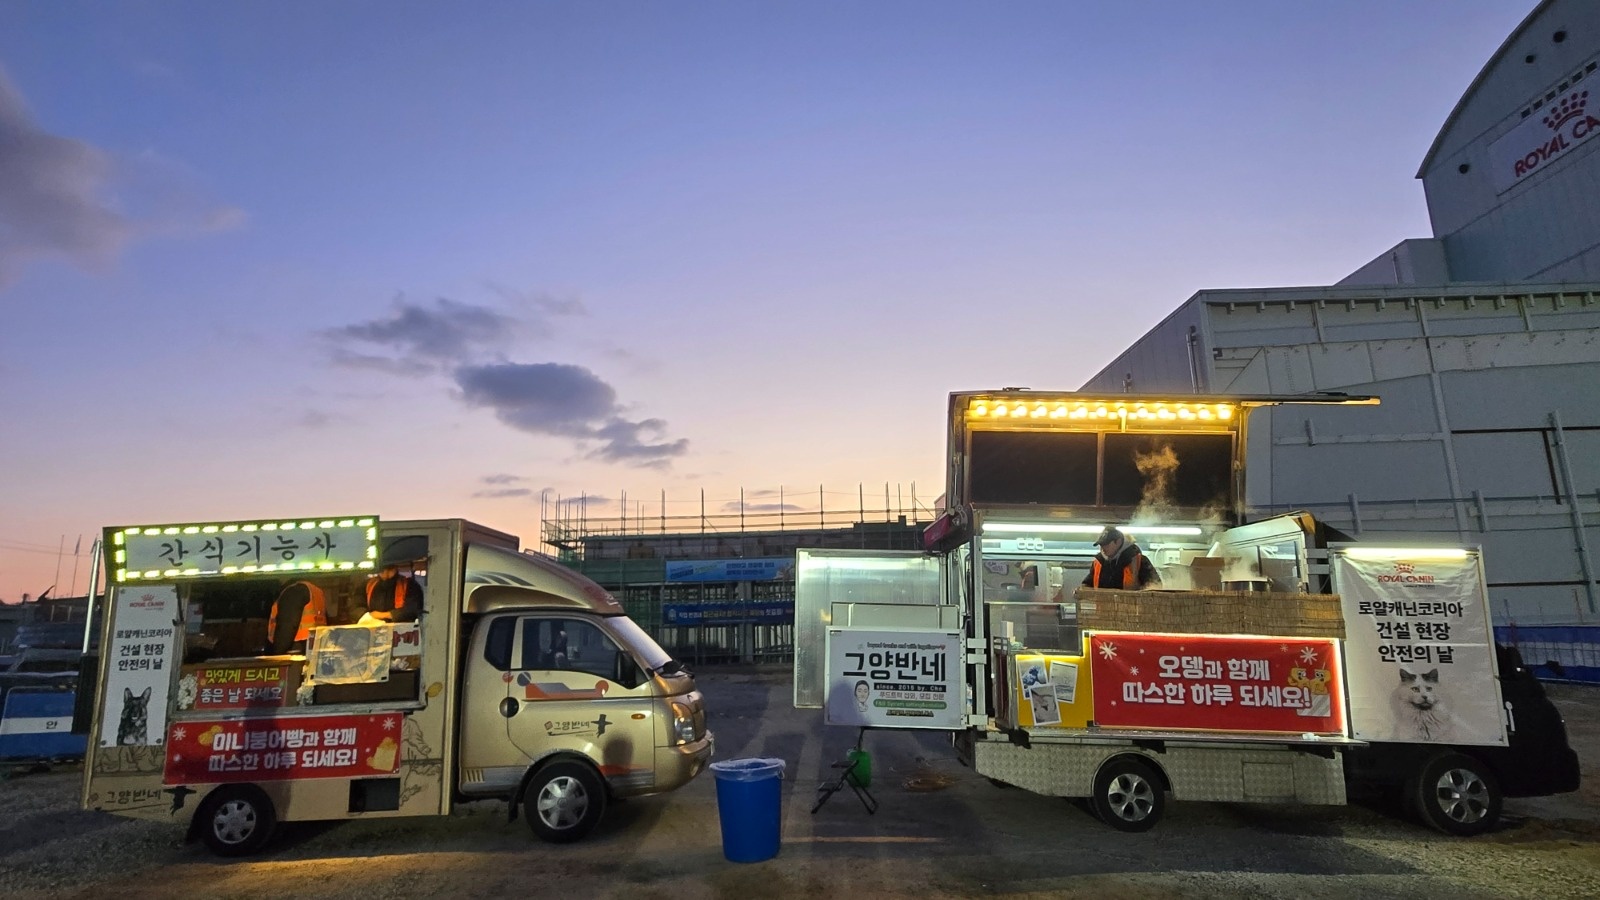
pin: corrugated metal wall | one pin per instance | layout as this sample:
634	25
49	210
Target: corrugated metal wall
1489	431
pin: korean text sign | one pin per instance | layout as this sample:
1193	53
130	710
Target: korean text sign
200	752
143	646
894	679
1418	646
221	549
1275	685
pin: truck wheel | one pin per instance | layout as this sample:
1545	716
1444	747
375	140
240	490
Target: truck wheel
564	801
1456	794
1128	795
236	820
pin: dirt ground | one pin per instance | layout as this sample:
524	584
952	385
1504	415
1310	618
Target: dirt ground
941	831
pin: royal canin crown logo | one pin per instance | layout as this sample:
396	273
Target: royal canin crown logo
1405	573
1569	108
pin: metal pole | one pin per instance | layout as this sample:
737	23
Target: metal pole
1572	506
94	576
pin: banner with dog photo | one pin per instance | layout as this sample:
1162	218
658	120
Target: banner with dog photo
139	665
1419	653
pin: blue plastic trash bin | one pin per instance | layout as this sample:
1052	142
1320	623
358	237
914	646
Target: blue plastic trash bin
750	807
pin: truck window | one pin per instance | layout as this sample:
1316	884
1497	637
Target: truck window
568	644
497	645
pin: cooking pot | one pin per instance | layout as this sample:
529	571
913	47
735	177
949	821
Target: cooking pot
1247	584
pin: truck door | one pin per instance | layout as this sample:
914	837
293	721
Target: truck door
572	687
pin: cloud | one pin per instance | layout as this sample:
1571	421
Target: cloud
50	189
763	507
419	338
63	197
567	401
502	487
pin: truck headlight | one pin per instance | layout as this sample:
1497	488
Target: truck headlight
683	730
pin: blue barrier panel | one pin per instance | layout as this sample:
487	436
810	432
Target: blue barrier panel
1556	652
36	724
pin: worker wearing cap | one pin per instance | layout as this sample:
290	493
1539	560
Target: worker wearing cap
392	597
1119	565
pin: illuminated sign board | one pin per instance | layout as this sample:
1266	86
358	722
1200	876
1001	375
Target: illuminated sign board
167	552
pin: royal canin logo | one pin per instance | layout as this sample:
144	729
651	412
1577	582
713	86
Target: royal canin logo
1405	573
1572	124
1568	108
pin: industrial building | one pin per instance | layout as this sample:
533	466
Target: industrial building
1483	342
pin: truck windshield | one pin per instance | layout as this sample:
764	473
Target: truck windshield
643	645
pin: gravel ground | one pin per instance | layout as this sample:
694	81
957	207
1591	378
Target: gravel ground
942	831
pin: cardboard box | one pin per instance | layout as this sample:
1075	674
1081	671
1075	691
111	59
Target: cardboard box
1205	572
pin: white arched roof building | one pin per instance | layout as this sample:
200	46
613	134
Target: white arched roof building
1483	341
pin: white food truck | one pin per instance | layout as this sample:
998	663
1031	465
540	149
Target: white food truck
1276	661
519	680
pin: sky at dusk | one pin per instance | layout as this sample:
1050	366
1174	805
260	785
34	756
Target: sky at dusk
426	260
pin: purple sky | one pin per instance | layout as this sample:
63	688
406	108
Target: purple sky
287	259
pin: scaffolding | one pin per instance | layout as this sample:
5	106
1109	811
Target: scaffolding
721	621
567	526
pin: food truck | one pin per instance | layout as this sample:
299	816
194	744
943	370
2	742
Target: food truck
1276	661
519	680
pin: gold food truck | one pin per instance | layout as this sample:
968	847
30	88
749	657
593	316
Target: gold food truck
494	674
1270	661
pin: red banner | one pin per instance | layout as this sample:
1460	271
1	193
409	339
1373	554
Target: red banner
282	749
1279	685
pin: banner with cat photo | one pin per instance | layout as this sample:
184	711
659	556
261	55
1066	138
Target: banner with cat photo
139	666
1419	653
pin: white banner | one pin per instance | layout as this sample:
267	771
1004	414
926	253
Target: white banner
139	664
894	679
1419	653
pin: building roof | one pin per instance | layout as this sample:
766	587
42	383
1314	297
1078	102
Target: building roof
1472	89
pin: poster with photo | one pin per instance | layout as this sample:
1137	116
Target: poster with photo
140	655
1064	676
1418	647
1046	709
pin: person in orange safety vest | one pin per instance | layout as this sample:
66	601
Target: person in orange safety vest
392	597
1120	565
300	607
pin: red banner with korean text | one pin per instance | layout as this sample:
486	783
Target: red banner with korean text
1278	685
282	749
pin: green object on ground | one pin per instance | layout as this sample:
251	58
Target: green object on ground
860	767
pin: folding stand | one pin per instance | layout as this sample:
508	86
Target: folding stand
847	778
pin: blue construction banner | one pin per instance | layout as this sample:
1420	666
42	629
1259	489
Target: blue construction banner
36	724
763	612
1556	652
780	568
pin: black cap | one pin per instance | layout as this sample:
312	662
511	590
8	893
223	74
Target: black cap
1110	534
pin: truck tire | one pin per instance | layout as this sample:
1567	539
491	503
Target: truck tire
1456	794
1128	794
564	801
236	820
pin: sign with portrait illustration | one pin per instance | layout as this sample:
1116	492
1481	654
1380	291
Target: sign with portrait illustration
1418	645
894	679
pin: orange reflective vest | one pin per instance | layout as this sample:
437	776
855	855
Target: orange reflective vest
314	615
1130	575
399	593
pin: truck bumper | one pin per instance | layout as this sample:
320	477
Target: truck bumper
677	766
